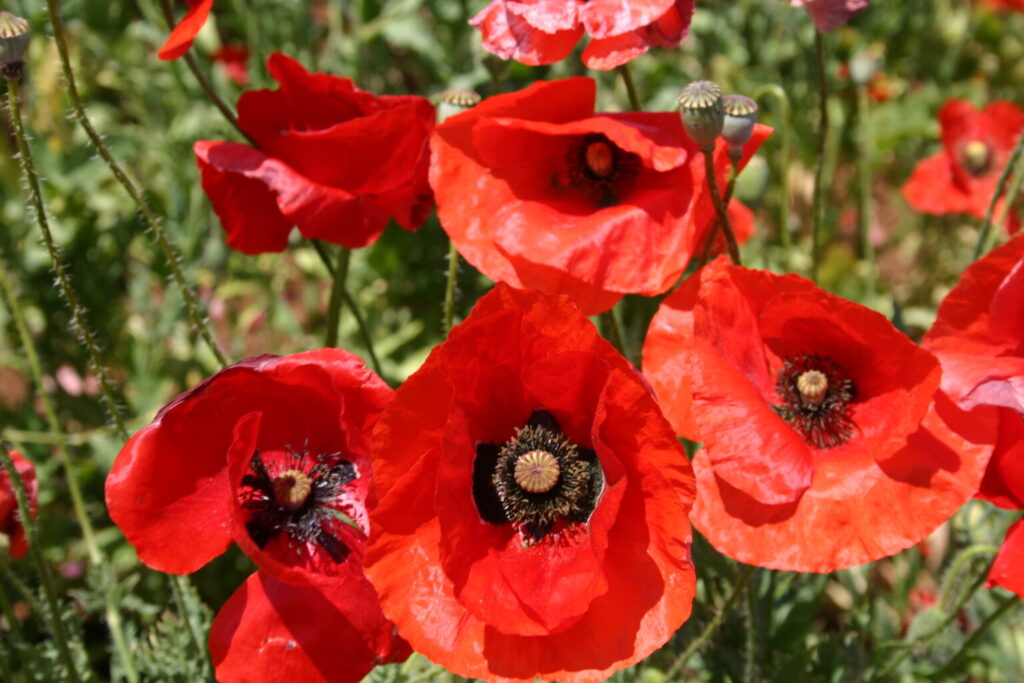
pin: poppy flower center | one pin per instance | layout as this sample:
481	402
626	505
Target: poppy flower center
539	480
816	398
296	495
601	169
975	157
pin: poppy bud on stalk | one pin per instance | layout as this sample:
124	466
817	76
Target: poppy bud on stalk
740	117
700	107
456	101
13	43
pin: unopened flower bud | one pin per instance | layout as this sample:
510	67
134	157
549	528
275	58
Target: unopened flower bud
456	101
13	43
740	117
700	107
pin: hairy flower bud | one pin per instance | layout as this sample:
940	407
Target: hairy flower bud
13	43
740	117
700	107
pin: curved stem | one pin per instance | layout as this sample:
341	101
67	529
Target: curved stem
780	96
364	331
712	625
985	231
723	215
334	304
45	579
818	201
196	319
627	78
451	288
1003	608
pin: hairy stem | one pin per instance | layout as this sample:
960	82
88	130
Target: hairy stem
864	147
780	96
985	235
334	304
364	331
627	79
451	288
820	188
723	215
1003	608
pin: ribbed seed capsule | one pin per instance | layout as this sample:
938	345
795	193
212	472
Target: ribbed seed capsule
700	107
456	101
13	43
738	127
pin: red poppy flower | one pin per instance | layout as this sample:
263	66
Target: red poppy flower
545	31
335	161
10	519
272	453
180	40
235	59
825	442
538	191
1013	5
830	14
531	501
1008	568
976	146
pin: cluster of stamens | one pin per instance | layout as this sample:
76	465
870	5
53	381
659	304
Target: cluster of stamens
296	501
816	400
538	480
602	169
976	157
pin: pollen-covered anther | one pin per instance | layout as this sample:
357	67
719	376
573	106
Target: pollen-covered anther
291	489
537	471
812	385
600	159
976	156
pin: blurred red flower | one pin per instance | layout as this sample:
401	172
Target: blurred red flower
180	40
273	454
235	59
825	442
536	190
545	31
335	161
10	519
830	14
1015	5
963	176
530	501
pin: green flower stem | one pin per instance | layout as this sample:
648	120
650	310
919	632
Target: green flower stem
780	96
712	626
723	216
364	331
334	304
751	637
180	586
865	144
12	621
80	324
451	288
612	331
1004	607
111	613
204	82
985	234
26	593
1011	195
627	79
45	579
709	243
820	186
196	319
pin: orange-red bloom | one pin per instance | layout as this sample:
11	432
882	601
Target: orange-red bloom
1013	5
976	146
825	442
10	519
545	31
536	190
531	501
273	454
180	40
333	160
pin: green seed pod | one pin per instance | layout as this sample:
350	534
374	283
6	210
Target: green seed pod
456	101
740	117
13	43
700	107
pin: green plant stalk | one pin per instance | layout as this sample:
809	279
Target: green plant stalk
712	626
751	636
45	579
1011	195
21	589
985	236
864	147
723	215
196	319
960	564
180	588
627	79
353	306
612	331
451	288
334	304
12	621
1003	608
820	188
111	613
780	96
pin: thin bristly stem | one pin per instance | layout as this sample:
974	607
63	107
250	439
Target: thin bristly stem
196	319
180	586
1011	195
865	145
451	288
334	304
984	232
111	613
782	98
723	215
712	626
80	324
45	579
364	331
1003	608
627	78
818	201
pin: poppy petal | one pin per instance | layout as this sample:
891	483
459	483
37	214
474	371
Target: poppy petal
180	40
